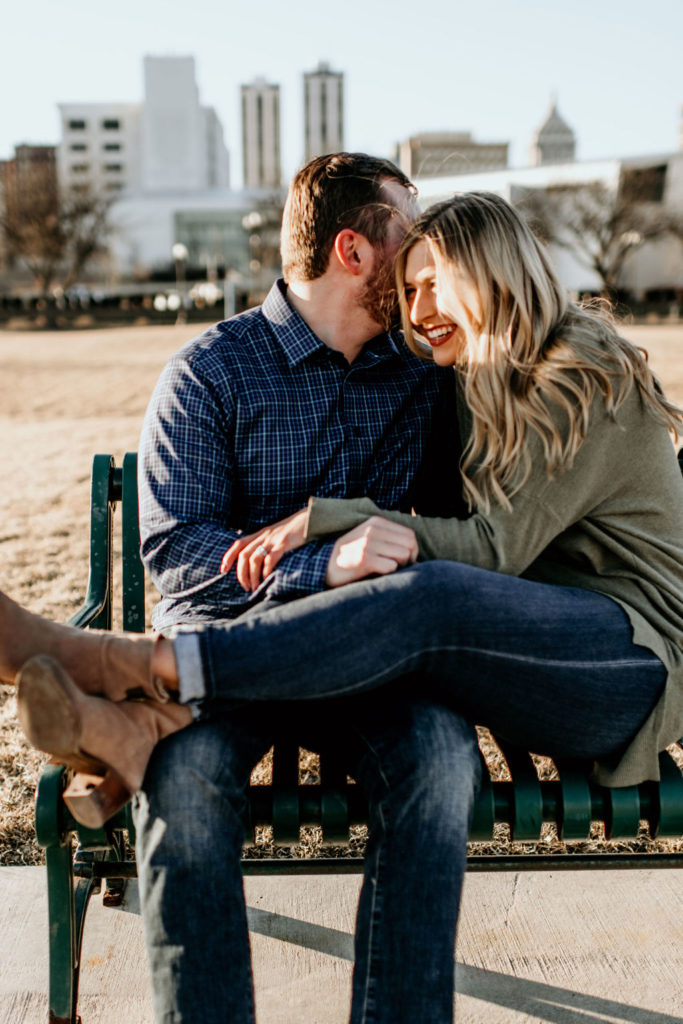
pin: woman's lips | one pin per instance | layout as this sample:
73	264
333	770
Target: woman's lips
438	335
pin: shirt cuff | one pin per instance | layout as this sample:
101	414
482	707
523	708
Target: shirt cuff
188	656
301	572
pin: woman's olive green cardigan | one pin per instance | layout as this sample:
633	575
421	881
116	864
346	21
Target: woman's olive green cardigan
612	523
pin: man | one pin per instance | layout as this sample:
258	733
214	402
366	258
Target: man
306	395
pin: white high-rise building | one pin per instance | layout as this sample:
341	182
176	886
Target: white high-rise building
323	111
217	156
167	143
174	153
261	135
99	149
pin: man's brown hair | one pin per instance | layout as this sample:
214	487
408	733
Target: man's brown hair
329	194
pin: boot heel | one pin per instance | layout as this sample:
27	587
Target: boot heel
93	800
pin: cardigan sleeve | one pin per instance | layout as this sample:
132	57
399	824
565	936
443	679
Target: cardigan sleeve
503	540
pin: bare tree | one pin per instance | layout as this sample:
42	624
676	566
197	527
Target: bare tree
603	226
52	234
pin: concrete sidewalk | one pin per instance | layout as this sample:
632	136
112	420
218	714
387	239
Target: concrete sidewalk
599	947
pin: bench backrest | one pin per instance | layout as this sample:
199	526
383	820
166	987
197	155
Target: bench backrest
572	802
114	485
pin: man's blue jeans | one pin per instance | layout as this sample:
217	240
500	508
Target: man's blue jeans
419	766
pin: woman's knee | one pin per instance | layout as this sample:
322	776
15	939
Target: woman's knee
442	593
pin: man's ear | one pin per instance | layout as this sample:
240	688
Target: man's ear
353	251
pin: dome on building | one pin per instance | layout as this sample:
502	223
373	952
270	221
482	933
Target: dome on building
554	124
554	142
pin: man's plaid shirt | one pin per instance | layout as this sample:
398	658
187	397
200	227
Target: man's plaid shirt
250	419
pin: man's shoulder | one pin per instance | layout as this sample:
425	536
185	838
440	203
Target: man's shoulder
225	340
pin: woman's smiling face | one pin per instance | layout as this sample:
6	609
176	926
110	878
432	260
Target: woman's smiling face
444	335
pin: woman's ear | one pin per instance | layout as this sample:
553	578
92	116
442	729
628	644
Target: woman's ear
351	251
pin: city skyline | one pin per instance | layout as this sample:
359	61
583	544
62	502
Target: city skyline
614	67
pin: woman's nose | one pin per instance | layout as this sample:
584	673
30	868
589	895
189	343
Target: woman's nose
422	307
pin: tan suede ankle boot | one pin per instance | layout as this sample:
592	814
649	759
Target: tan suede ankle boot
91	734
113	665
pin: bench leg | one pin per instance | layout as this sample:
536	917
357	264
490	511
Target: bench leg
67	904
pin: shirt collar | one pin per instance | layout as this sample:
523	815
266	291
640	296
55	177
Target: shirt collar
298	341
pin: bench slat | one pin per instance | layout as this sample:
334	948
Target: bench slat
576	807
133	575
669	799
622	813
286	819
527	809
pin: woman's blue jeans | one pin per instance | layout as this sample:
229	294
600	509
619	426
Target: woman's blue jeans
443	645
550	668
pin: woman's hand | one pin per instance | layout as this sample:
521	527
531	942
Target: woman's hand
376	547
258	553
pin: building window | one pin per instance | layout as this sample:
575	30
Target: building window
111	124
78	147
112	147
77	125
114	186
80	168
643	184
112	167
260	140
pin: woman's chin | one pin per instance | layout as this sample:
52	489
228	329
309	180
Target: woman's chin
448	354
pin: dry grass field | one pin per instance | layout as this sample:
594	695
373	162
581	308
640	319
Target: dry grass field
63	397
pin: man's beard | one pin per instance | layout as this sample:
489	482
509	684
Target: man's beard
380	298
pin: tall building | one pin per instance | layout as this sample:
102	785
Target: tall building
99	150
261	135
435	154
30	160
28	190
554	142
167	143
217	157
323	111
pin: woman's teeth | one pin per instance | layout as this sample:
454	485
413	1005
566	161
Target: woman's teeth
435	335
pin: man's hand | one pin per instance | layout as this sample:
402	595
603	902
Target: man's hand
376	547
257	554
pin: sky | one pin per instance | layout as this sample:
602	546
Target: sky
490	67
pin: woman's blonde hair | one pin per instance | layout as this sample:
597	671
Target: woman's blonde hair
530	350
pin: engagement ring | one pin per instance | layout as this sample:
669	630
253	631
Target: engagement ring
261	550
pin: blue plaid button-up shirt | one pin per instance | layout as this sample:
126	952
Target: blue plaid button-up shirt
250	419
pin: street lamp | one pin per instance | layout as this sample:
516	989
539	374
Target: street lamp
251	224
179	253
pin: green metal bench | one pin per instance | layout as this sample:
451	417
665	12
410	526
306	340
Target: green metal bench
78	859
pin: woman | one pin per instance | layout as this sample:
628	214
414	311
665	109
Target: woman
558	618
